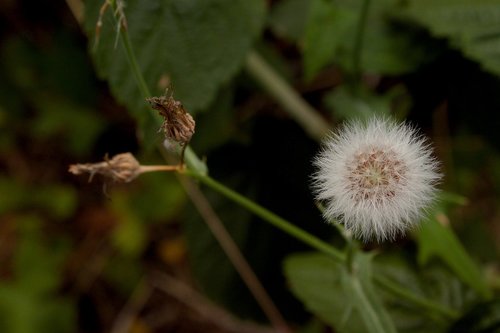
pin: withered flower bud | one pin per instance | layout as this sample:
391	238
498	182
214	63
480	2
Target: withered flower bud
122	168
178	125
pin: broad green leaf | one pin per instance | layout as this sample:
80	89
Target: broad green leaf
344	299
436	240
197	45
470	26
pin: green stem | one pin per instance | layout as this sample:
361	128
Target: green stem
270	217
286	96
143	87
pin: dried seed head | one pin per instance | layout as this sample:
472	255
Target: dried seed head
376	178
122	168
178	125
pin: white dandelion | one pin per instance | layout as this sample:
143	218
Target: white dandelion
377	178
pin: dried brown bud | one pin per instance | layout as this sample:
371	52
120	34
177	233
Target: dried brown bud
178	125
122	168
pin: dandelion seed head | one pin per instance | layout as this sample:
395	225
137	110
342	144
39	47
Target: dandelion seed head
377	178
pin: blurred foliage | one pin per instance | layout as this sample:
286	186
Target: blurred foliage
73	253
327	287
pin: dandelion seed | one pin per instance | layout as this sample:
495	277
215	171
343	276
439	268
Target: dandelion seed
377	178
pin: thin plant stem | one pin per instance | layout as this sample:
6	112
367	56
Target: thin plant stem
270	217
286	96
135	303
143	87
204	307
152	168
234	254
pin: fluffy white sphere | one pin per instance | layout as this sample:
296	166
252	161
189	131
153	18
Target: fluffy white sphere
376	177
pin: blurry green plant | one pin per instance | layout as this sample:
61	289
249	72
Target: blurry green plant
29	303
201	53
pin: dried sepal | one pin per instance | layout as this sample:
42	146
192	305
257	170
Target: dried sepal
178	125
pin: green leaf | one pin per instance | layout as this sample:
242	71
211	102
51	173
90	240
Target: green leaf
433	283
217	125
331	31
327	25
197	45
470	26
436	240
344	299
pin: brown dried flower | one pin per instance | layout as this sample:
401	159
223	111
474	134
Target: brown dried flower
178	125
122	168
